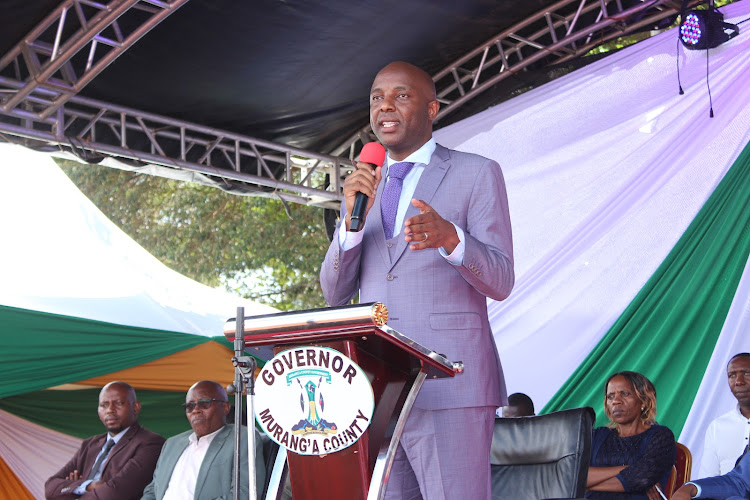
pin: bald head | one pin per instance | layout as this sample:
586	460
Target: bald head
126	389
402	108
420	78
216	389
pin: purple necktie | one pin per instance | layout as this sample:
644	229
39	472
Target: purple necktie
391	195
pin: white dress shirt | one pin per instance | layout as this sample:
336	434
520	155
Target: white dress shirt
421	158
185	474
725	441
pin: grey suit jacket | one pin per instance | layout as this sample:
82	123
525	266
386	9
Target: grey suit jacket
215	475
441	306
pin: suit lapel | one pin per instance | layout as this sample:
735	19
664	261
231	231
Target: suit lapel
375	217
211	453
428	184
95	447
170	462
119	446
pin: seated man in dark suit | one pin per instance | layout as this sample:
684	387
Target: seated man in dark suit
116	465
734	485
198	464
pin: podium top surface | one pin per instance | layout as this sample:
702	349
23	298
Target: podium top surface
363	324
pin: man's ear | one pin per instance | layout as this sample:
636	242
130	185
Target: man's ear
137	408
432	109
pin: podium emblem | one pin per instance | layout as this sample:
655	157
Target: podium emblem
313	400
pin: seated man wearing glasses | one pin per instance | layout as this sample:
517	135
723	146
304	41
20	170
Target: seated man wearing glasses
198	464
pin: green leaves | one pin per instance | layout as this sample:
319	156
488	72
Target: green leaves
248	245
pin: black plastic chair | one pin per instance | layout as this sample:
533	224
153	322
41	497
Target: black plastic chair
542	457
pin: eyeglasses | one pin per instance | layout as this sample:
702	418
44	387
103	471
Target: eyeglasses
203	404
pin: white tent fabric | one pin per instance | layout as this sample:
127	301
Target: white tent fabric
605	168
63	256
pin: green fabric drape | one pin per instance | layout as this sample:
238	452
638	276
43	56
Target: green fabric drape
40	350
669	331
74	412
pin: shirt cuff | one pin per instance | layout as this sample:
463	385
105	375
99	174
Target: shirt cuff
457	256
697	487
349	239
81	490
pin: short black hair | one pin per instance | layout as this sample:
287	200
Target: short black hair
738	355
522	401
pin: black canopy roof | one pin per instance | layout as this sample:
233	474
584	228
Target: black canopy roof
295	72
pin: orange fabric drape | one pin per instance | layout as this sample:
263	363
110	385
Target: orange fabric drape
12	488
176	372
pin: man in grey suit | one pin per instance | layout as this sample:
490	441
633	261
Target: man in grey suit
198	464
433	265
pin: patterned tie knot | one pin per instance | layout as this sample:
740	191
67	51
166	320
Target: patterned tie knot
399	170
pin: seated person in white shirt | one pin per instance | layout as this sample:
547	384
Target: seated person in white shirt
198	464
729	434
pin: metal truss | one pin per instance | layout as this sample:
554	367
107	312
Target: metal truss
94	130
40	78
565	30
73	45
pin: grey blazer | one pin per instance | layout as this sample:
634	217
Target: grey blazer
215	475
441	306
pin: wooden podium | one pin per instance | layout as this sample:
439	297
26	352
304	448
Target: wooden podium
396	367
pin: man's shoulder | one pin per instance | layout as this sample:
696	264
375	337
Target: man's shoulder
98	438
183	436
463	157
732	417
144	435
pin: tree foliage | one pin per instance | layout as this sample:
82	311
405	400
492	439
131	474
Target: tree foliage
247	244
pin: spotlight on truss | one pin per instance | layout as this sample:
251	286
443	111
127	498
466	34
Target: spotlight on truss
705	29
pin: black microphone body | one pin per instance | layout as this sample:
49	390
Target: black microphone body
358	212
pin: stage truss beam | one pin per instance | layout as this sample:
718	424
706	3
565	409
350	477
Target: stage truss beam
161	146
563	31
72	45
41	109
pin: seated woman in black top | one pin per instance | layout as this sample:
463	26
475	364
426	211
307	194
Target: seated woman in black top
634	453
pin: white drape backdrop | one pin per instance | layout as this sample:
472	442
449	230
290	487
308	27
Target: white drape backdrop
605	168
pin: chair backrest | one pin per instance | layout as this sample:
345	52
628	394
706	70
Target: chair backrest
683	463
545	456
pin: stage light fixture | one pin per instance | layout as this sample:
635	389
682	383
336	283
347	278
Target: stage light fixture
705	29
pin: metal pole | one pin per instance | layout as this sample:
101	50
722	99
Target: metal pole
239	350
244	370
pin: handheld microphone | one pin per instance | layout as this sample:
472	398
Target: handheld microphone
374	154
